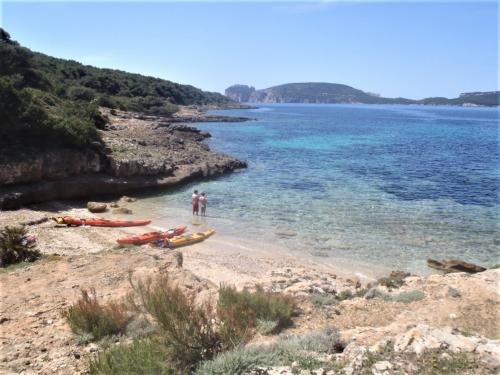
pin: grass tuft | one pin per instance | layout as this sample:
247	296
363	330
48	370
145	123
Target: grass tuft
144	356
284	352
262	305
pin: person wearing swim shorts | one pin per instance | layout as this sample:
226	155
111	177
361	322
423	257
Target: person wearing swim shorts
195	201
203	201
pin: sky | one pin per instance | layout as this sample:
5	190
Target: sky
394	48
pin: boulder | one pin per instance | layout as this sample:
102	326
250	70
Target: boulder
96	207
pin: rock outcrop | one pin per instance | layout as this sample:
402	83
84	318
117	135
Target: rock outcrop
140	152
454	265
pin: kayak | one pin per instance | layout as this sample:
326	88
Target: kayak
184	240
152	236
96	222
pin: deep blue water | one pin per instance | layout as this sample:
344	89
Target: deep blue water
389	185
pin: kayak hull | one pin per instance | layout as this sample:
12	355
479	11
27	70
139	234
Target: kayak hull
96	222
152	236
184	240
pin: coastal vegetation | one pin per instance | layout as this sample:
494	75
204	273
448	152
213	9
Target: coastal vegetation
13	249
186	332
89	316
50	101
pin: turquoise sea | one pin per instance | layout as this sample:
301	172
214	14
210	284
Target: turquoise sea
381	185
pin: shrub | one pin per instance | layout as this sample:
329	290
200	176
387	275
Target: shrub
263	305
81	93
284	352
188	330
405	297
145	356
106	101
13	249
88	316
394	280
266	327
323	300
344	295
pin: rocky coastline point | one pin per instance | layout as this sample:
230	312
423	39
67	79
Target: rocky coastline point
139	151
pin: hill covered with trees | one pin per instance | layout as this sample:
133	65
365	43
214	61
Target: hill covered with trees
47	100
321	92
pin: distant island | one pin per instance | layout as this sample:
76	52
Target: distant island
321	92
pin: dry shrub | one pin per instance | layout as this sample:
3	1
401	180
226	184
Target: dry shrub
88	316
188	330
253	306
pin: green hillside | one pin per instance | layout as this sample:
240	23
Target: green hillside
46	100
321	92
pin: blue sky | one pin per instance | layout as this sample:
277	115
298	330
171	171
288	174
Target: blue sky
400	48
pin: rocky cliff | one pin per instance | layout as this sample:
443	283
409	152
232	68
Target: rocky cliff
140	152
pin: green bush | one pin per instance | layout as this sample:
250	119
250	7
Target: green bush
81	93
88	316
145	356
13	249
188	330
323	300
261	305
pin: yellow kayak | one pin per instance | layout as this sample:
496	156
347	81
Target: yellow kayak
187	239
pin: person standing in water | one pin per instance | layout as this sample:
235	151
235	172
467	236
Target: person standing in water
203	201
195	200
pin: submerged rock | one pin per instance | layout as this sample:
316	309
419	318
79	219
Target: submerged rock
454	265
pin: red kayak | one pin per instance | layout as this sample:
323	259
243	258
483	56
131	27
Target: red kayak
152	236
96	222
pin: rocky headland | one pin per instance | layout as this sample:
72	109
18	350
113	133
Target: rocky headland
334	93
139	151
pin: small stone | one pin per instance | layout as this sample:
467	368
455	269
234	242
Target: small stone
76	355
122	211
43	350
96	207
3	319
382	366
453	316
92	348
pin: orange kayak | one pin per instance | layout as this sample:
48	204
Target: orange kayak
152	236
96	222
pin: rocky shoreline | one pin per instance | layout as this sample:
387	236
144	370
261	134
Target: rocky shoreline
140	152
401	325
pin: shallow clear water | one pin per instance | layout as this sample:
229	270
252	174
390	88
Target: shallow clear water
384	185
